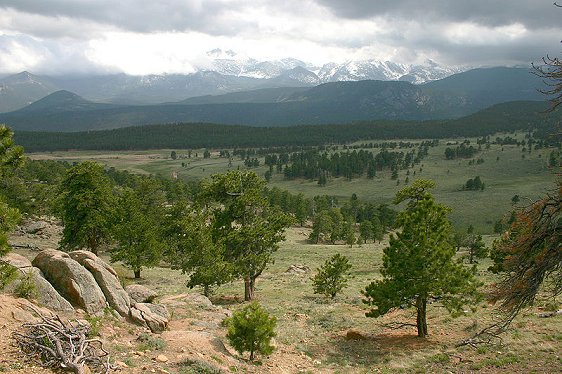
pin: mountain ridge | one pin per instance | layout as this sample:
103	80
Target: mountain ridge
335	103
224	73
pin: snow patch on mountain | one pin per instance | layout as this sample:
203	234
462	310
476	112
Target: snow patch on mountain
231	63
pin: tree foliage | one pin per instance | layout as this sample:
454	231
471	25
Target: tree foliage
86	207
192	249
476	247
137	229
11	157
418	264
251	330
245	222
333	276
529	253
9	217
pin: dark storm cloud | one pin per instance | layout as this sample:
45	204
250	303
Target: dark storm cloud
531	13
133	15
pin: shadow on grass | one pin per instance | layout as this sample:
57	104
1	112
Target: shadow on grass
369	350
226	300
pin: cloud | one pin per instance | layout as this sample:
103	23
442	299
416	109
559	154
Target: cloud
141	37
21	52
531	13
141	16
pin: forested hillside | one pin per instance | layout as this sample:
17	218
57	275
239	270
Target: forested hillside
502	117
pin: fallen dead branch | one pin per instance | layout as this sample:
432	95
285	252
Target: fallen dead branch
550	314
58	344
490	335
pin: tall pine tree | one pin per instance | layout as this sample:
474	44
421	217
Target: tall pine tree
418	264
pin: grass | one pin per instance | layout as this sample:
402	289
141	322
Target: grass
504	172
316	326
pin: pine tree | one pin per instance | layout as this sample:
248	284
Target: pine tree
418	264
137	228
475	245
251	330
242	217
366	230
378	230
192	249
333	276
529	253
321	226
11	157
86	207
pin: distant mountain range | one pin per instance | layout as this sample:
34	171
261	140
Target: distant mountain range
225	72
329	103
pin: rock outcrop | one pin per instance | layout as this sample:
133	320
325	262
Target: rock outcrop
153	316
82	279
140	294
107	280
74	282
44	292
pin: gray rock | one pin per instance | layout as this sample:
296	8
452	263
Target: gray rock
71	280
107	279
44	292
153	316
140	294
200	301
35	227
17	261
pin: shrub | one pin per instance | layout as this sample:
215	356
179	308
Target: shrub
251	329
8	274
148	342
195	366
333	276
26	288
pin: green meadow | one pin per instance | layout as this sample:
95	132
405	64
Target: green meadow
506	171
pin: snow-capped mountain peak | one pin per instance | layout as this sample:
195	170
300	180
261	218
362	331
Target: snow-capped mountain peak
231	63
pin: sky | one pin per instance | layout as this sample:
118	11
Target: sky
59	37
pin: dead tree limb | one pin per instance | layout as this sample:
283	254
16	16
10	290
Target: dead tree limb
58	344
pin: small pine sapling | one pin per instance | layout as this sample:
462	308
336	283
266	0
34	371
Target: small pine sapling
251	330
333	276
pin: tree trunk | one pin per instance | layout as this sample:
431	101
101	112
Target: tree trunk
252	349
421	305
137	273
249	284
206	290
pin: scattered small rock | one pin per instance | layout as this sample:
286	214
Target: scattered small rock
162	358
297	269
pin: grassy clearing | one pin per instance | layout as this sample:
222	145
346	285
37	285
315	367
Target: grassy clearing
505	173
317	326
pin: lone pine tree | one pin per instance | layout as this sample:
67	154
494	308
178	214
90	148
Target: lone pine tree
333	276
418	264
251	330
